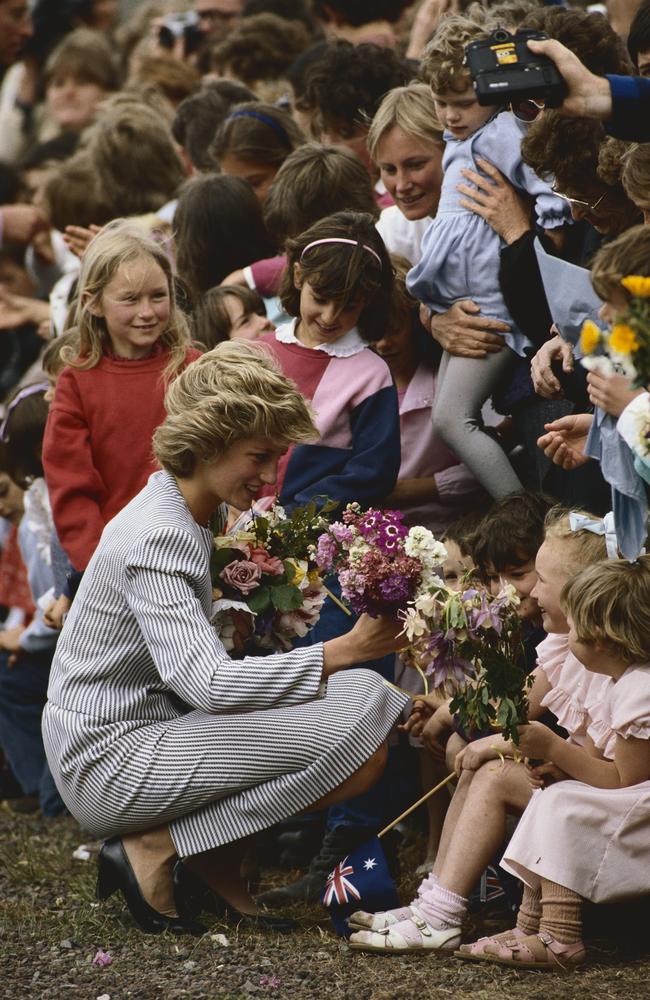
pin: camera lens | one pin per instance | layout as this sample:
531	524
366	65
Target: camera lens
501	35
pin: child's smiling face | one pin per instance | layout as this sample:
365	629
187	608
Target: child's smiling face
323	320
459	112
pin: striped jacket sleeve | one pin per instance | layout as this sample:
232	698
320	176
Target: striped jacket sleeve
165	573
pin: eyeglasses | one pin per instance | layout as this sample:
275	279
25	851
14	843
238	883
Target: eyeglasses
527	111
592	207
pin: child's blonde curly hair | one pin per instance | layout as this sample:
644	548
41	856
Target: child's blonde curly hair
442	65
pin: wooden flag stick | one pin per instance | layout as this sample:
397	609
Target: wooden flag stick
334	598
427	795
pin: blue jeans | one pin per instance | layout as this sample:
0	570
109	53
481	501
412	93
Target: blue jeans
23	693
373	807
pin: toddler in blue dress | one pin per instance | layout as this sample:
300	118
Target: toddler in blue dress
460	251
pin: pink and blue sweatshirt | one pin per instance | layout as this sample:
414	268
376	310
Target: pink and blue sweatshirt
351	391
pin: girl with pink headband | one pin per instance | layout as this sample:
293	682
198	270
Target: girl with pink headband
338	286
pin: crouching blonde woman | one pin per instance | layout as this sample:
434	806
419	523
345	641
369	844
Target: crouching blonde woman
158	741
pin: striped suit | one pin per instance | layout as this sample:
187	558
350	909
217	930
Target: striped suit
148	719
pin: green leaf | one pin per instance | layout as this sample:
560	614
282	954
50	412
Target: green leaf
286	597
220	559
260	599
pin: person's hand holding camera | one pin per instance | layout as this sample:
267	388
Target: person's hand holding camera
588	95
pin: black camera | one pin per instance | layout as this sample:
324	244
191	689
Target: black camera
505	71
185	26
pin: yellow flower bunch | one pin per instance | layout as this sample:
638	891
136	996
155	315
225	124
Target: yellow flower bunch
590	337
637	286
623	339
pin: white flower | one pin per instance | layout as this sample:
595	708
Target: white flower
276	514
358	549
509	593
414	624
599	363
420	543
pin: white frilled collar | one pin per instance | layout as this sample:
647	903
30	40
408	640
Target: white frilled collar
347	345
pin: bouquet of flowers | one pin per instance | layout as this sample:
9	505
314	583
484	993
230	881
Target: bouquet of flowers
626	347
469	642
266	569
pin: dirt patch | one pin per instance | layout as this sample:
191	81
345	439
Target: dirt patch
51	929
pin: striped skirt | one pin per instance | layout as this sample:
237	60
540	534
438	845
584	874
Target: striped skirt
217	778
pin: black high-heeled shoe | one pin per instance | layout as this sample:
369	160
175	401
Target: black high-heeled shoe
114	872
194	896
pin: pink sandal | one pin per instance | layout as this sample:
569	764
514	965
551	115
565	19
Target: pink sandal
536	951
475	952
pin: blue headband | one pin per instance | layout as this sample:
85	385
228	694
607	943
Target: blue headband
266	119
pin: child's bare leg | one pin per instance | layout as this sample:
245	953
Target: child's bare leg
454	812
495	790
432	771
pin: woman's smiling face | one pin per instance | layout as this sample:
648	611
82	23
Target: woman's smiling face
411	169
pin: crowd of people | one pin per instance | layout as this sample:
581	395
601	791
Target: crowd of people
257	249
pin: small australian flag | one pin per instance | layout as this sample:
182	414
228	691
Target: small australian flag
361	881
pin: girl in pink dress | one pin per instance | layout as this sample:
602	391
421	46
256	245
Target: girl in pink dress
589	837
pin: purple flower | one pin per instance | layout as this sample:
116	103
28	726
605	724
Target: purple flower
342	533
445	664
242	574
326	551
395	588
389	538
102	958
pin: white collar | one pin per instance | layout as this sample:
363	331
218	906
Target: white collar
347	345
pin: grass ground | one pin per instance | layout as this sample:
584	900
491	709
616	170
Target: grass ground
51	928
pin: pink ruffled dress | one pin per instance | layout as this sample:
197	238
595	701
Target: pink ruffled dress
595	841
575	691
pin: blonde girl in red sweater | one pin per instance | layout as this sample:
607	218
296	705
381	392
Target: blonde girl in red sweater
133	340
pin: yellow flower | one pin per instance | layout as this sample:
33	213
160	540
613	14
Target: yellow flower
298	570
637	286
589	337
623	339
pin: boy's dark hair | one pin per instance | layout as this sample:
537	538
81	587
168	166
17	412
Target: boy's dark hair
301	68
638	39
343	272
315	181
511	532
290	10
358	12
589	35
347	83
219	229
462	530
23	437
198	118
261	47
211	323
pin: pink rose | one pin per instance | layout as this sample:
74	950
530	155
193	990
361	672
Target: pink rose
267	564
243	575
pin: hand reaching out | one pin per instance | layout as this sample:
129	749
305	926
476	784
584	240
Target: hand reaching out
565	440
77	238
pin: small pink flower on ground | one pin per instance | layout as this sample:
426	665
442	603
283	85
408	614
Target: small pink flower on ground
102	958
272	981
242	574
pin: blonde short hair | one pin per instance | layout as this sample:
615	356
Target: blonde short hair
120	242
583	547
629	253
413	110
636	173
234	391
609	604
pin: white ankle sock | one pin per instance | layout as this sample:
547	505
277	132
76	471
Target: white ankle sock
442	908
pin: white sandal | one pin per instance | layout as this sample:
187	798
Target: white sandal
406	936
361	920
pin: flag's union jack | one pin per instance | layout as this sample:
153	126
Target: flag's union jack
339	889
